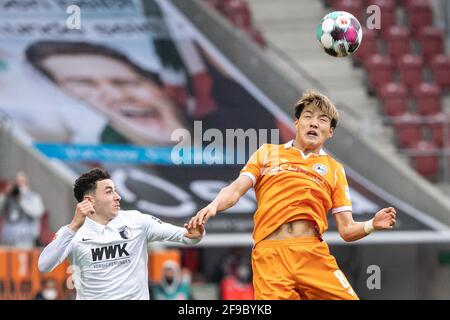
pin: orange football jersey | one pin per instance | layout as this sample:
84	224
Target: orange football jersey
291	186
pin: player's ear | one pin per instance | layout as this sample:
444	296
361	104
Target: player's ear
331	132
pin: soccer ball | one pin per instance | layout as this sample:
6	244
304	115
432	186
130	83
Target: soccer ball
339	33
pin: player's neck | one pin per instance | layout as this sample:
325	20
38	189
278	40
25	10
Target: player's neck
100	219
305	149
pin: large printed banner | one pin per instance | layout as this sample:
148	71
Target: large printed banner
132	83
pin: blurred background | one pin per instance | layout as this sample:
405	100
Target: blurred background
106	84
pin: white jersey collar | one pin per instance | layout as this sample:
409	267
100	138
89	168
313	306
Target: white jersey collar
290	144
93	225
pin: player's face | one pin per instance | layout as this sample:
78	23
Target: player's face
106	201
313	128
135	106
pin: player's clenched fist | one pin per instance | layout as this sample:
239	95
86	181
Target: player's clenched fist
384	219
83	209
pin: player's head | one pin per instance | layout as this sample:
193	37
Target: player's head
316	119
21	180
132	98
49	289
97	186
171	273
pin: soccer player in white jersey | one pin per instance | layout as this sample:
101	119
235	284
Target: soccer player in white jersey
108	246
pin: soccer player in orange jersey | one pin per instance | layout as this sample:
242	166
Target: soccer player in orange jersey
296	185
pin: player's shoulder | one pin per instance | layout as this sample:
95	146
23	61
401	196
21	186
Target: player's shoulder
130	216
137	216
129	213
333	162
272	147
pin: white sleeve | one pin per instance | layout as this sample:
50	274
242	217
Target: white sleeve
32	204
156	230
57	250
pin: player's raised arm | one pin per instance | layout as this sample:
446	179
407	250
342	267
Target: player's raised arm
350	230
57	250
226	198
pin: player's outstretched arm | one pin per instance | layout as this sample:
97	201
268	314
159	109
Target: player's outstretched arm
350	230
226	198
57	250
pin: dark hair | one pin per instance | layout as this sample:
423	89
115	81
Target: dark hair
41	50
321	102
87	182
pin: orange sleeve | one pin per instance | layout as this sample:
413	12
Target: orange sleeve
341	192
254	165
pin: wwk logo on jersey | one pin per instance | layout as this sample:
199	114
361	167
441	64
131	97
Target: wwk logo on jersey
109	252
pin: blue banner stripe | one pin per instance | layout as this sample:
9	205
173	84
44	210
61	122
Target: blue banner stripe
128	154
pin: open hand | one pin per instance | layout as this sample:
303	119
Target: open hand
202	216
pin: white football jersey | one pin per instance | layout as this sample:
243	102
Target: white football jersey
110	261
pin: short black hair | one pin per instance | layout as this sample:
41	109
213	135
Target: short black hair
41	50
87	182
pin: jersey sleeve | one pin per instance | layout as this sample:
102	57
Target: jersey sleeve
157	230
254	165
57	250
341	192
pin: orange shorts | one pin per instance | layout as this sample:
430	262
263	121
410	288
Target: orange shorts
299	268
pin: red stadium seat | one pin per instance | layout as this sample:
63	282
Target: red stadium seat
3	185
256	35
405	3
379	71
428	99
439	126
431	40
45	235
394	97
388	16
368	46
408	127
419	15
398	43
440	66
425	159
237	12
410	68
355	7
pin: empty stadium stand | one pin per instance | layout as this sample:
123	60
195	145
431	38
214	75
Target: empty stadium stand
409	71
